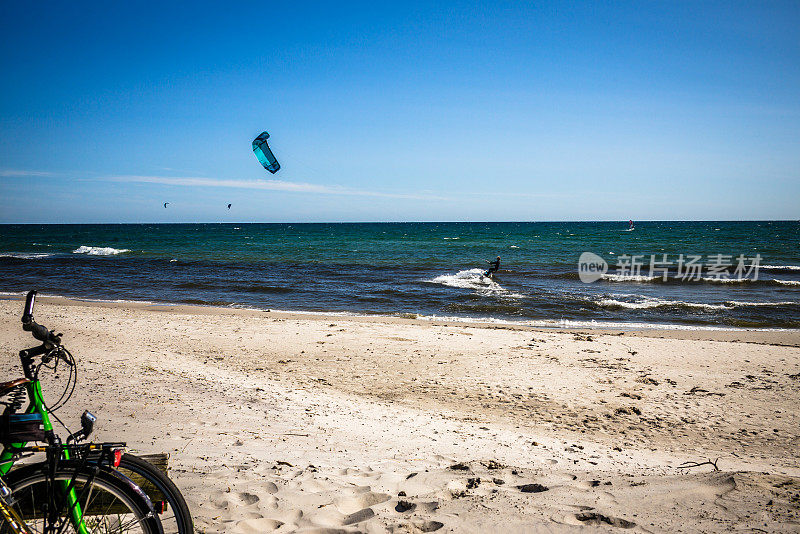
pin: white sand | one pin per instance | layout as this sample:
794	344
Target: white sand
291	423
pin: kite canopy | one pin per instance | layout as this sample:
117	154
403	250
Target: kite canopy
264	154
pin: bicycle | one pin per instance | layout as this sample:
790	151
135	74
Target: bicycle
82	495
167	498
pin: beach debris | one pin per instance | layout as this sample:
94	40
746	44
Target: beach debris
696	390
473	483
404	506
644	379
688	465
532	488
596	518
460	466
493	464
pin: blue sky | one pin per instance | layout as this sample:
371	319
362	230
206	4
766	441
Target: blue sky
456	112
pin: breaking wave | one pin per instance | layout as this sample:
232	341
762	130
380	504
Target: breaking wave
640	303
475	280
630	277
26	255
780	267
99	251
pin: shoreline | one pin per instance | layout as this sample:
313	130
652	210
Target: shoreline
771	336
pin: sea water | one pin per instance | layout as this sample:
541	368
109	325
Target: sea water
428	269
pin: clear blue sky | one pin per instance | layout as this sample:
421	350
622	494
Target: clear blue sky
473	111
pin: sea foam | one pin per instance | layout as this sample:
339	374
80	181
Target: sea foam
99	251
781	267
640	303
475	280
26	255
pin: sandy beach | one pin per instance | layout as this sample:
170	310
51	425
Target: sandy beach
279	422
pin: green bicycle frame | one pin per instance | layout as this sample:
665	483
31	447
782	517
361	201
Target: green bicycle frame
37	405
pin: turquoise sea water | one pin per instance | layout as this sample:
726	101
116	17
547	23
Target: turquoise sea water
428	269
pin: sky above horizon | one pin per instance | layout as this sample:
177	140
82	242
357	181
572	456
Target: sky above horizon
410	112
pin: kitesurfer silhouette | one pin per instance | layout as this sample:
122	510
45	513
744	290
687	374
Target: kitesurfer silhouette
494	266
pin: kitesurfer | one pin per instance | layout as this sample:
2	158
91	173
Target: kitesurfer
494	266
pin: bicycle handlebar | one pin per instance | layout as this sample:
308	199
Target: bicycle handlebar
27	314
29	325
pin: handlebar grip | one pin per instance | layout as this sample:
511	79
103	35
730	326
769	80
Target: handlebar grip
41	333
30	300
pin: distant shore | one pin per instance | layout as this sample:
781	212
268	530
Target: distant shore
288	421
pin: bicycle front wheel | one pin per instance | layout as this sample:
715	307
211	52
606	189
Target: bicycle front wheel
99	501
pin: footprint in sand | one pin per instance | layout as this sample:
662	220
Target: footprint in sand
428	526
330	517
596	518
234	500
353	503
256	526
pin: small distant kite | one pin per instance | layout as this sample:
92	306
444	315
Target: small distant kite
229	206
264	154
165	204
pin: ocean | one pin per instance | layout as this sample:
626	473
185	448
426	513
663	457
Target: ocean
679	274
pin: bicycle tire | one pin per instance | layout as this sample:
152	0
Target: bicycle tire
176	518
110	503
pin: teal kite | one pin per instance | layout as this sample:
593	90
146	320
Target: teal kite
264	154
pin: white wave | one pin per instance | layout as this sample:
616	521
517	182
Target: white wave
641	303
26	255
601	325
99	251
727	280
781	267
514	246
788	282
629	278
649	302
474	279
451	238
737	304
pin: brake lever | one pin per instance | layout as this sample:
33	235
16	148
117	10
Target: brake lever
62	355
